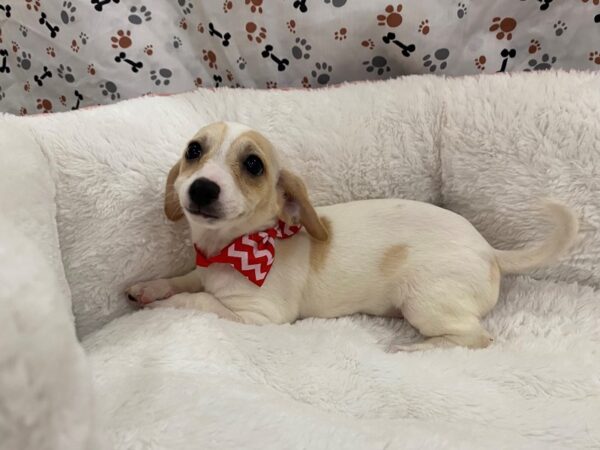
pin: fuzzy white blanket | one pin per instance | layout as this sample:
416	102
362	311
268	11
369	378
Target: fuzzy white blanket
485	147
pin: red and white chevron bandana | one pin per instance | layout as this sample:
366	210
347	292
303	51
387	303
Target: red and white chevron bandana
251	254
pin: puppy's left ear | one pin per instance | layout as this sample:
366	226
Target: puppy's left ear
173	209
296	206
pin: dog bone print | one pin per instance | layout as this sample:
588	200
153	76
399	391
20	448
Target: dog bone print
6	9
390	38
135	66
545	4
54	29
4	67
281	63
301	5
506	54
99	4
79	98
224	36
39	78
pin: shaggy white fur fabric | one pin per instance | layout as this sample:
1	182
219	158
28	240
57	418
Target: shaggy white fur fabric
45	384
487	147
178	379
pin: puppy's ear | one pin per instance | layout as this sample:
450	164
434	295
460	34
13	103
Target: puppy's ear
173	209
296	207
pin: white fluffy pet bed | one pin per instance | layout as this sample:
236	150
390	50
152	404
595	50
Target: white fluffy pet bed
486	147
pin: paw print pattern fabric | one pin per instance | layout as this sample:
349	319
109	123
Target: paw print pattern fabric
58	55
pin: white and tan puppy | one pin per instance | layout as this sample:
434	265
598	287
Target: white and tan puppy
380	257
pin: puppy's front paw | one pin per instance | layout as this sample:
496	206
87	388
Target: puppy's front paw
150	291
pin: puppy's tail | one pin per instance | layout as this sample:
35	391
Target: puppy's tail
556	244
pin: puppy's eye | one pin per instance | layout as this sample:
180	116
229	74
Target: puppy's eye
194	151
254	165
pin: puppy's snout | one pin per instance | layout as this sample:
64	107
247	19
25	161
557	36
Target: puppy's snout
204	192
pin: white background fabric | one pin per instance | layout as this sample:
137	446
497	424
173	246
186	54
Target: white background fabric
330	42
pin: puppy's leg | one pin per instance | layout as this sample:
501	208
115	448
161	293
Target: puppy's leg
150	291
447	316
202	301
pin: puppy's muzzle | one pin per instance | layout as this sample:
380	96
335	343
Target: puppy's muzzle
203	194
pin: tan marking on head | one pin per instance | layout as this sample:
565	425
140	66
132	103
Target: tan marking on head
320	249
393	258
210	137
258	190
494	273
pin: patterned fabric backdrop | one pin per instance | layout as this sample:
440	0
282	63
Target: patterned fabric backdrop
64	54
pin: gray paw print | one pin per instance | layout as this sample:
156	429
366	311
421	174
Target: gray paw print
23	29
138	15
66	73
461	11
336	3
186	6
177	42
378	64
109	89
67	13
544	64
322	73
162	76
301	49
439	59
24	61
241	62
560	27
84	38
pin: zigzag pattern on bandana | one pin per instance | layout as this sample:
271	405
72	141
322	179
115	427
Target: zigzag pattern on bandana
251	254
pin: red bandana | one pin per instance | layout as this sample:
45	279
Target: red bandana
251	254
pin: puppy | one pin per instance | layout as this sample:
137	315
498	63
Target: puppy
266	255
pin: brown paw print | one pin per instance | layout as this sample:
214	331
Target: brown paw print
51	52
271	85
15	47
22	111
27	86
504	26
534	46
227	6
368	43
183	24
122	39
229	75
210	57
595	57
424	27
74	46
391	18
255	5
200	28
341	34
595	2
291	26
44	104
32	5
63	100
149	50
305	83
255	33
91	69
198	82
480	62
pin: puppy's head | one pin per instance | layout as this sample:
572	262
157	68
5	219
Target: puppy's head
229	178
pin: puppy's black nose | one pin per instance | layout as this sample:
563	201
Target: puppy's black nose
203	192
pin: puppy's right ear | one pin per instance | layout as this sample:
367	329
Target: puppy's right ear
173	209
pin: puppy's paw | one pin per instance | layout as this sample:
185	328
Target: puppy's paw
149	291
